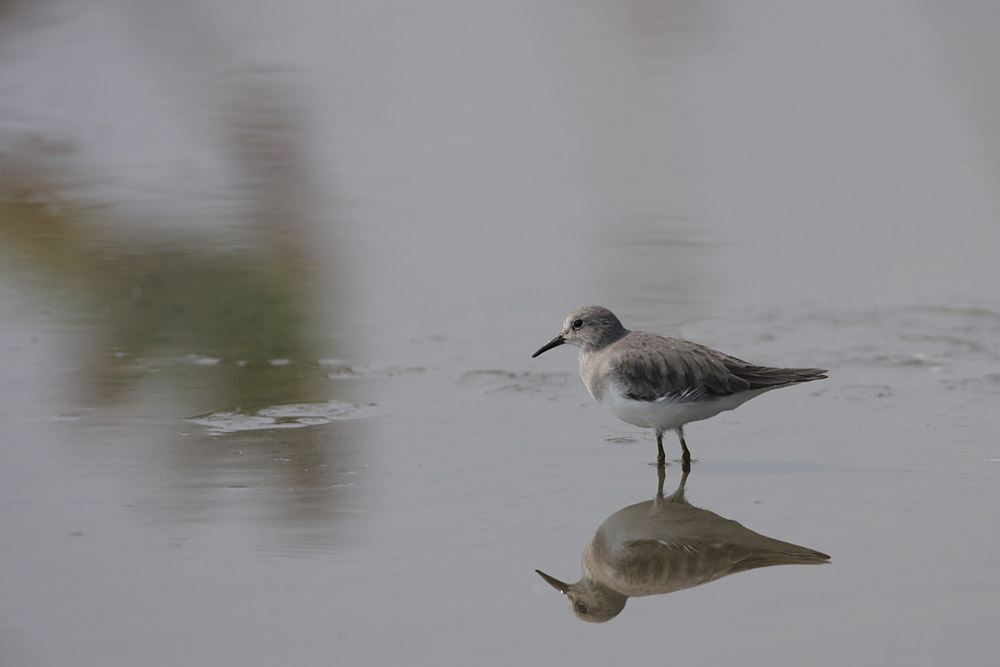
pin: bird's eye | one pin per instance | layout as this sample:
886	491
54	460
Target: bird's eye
577	324
582	609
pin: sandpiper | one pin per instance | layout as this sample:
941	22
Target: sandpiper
660	382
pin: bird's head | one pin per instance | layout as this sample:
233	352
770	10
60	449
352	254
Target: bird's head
588	600
588	328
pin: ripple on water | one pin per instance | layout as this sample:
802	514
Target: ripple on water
508	381
296	415
342	370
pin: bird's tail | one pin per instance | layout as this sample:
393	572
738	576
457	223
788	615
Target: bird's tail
765	377
795	556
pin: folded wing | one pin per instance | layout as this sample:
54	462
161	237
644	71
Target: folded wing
686	371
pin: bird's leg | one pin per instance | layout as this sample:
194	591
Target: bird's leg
661	459
661	475
686	457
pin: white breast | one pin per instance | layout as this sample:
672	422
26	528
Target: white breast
667	413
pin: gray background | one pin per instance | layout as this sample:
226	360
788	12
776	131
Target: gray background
271	273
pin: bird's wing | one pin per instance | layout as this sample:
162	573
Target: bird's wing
682	371
686	371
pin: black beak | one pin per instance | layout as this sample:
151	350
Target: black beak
555	342
560	586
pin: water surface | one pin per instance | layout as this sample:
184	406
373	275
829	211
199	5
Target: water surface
270	281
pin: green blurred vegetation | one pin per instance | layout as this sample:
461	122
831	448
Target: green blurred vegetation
146	304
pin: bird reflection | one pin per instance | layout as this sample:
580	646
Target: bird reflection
664	545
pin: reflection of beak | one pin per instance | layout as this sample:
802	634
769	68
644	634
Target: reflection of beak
555	583
555	342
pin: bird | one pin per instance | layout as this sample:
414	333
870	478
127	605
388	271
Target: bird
659	382
664	545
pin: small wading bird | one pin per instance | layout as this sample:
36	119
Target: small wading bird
659	382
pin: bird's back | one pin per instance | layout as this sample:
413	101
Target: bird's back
651	367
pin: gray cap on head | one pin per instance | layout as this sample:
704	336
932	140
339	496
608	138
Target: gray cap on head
589	600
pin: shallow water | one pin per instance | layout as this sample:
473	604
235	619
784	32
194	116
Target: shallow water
266	320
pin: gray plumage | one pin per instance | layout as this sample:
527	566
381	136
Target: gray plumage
661	382
654	366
